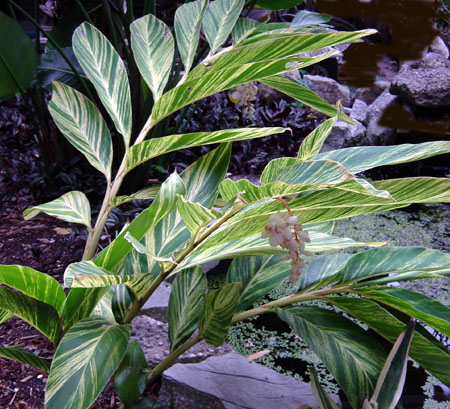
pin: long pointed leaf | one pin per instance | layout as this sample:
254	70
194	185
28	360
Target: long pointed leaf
81	123
85	359
243	28
27	357
321	396
104	67
153	48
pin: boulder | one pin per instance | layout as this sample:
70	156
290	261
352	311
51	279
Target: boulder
329	89
359	111
152	336
424	83
157	305
437	46
232	382
369	95
345	135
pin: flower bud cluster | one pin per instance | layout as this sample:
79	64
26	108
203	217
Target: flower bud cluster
283	230
243	95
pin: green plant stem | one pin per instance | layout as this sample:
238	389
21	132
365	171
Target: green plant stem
110	22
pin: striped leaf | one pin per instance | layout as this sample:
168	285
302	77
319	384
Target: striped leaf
81	123
416	305
27	357
185	305
389	388
152	148
306	96
425	349
257	275
243	28
305	18
85	359
188	21
84	268
207	83
217	313
104	306
147	193
219	20
140	248
321	396
35	284
313	143
38	314
5	316
254	245
333	204
105	69
352	356
72	207
195	215
361	158
122	300
153	49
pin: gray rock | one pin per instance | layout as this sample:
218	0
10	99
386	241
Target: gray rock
232	382
152	336
425	82
329	89
377	134
359	111
345	135
438	46
157	305
369	95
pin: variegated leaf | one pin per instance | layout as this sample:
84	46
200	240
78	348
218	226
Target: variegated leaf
243	28
304	95
416	305
425	349
188	21
195	215
219	20
140	248
94	280
33	283
104	306
217	313
87	267
333	204
72	207
25	356
81	123
352	356
361	158
122	300
153	49
258	276
147	193
305	18
105	69
5	316
85	359
40	315
185	305
321	396
152	148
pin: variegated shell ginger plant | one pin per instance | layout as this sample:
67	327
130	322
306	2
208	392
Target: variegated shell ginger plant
183	229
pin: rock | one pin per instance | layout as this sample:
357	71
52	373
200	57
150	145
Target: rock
345	135
438	46
369	95
157	305
359	111
425	82
152	336
232	382
377	134
329	89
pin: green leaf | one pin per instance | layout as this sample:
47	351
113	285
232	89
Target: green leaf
243	28
72	207
130	378
122	300
389	388
104	67
425	309
152	148
147	193
425	349
351	355
5	316
278	4
27	357
185	305
40	315
17	69
195	215
85	359
217	313
81	123
304	95
361	158
219	20
188	21
33	283
305	18
321	396
84	268
153	49
257	275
